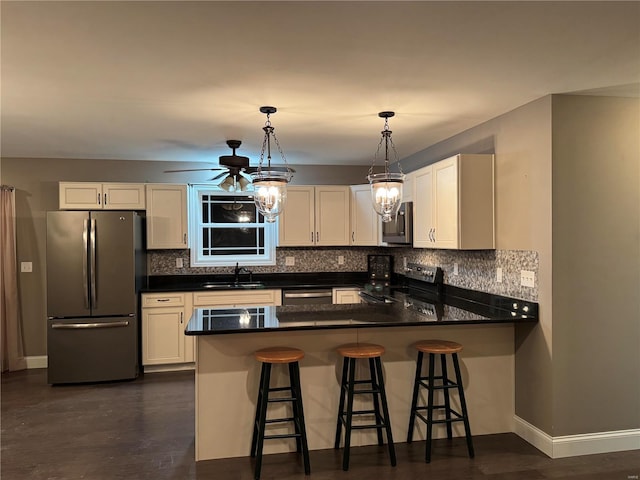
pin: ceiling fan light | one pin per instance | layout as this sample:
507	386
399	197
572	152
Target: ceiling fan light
228	184
244	184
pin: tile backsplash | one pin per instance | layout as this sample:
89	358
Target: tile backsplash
476	270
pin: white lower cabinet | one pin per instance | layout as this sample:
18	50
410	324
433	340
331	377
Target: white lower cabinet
346	295
164	318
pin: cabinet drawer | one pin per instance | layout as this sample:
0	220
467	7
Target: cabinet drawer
162	300
231	298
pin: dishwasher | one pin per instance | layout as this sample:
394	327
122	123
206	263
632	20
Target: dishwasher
307	296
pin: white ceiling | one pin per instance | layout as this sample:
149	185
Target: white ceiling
158	80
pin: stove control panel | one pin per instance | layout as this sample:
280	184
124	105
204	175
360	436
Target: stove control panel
424	273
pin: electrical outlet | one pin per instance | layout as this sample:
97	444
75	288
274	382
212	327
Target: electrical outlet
455	269
26	267
290	261
179	263
340	259
499	275
527	278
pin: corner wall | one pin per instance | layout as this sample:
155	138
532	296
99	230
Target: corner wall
521	141
596	264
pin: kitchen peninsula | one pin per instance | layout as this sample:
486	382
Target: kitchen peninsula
227	374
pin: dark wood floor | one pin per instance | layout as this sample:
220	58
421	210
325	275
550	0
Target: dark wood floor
144	429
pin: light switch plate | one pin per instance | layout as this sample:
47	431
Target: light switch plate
26	267
455	269
179	263
340	259
289	261
499	274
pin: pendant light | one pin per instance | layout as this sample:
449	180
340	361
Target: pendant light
270	182
386	187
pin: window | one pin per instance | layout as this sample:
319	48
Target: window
226	228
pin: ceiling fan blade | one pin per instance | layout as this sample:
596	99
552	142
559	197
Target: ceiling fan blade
196	170
220	175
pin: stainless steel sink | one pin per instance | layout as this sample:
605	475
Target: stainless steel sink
227	286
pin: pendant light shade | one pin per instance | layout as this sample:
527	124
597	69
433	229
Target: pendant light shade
270	182
386	187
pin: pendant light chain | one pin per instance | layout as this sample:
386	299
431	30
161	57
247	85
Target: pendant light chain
386	138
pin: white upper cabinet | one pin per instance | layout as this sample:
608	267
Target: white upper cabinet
315	216
166	216
365	222
454	204
101	196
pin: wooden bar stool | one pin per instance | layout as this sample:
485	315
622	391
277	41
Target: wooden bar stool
351	352
269	356
439	382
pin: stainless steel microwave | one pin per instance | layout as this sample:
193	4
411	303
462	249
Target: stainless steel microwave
399	231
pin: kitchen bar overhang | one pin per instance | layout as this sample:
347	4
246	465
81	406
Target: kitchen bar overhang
400	309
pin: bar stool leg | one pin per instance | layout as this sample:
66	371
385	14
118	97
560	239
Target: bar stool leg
414	401
262	418
254	437
347	430
301	441
445	391
385	411
294	405
343	394
375	398
430	407
463	405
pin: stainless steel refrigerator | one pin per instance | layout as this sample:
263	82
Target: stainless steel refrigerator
96	265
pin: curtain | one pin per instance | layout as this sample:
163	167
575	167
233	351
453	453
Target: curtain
11	342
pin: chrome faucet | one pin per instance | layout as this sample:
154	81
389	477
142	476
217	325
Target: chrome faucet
238	270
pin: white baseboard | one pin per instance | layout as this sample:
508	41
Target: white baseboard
37	361
534	436
575	445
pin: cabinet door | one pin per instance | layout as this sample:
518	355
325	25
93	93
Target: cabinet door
332	215
123	196
166	216
422	208
365	222
80	195
296	223
346	295
163	335
445	203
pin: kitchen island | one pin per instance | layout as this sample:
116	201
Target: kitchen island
227	374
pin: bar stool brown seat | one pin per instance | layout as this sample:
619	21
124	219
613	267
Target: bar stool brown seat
352	352
269	356
440	382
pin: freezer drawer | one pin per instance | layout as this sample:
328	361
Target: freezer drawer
92	349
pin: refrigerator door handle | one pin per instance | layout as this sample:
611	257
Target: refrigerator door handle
92	240
74	326
85	259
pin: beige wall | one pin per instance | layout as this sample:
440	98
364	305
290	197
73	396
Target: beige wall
568	187
36	183
596	264
521	141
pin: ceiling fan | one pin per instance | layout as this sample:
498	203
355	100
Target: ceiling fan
235	169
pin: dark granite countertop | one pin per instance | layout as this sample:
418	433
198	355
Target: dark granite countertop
188	283
399	310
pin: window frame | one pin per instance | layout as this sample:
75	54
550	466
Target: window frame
197	259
